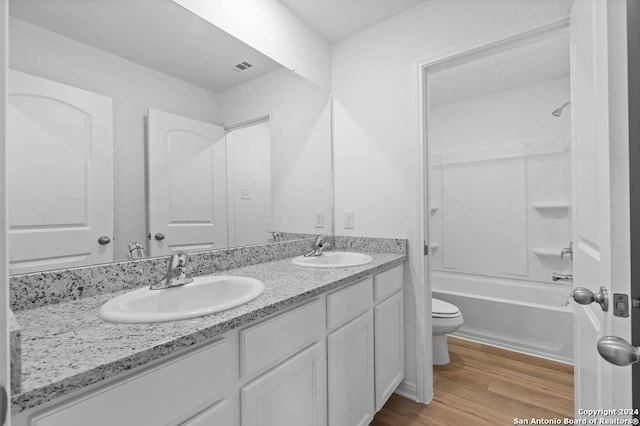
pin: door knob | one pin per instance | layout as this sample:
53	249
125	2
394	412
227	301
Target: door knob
104	240
618	351
159	236
584	296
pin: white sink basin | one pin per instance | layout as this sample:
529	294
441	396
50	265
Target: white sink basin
205	295
333	259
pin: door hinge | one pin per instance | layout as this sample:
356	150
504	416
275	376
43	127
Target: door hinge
426	249
4	405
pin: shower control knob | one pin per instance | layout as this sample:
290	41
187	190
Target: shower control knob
618	351
159	236
584	296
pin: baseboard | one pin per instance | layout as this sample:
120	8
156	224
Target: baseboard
511	347
407	390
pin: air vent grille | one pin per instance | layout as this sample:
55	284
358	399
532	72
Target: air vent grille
242	66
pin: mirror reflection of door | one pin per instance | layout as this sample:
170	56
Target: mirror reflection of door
249	184
60	175
187	206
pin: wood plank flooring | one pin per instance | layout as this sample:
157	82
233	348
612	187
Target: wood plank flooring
484	385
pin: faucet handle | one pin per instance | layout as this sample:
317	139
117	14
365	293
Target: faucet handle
178	259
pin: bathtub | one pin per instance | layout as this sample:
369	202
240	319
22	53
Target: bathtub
523	316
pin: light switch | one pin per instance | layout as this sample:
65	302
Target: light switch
245	194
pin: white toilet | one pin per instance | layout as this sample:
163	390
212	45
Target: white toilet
446	319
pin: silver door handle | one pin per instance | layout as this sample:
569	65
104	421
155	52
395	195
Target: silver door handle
104	240
618	351
159	236
584	296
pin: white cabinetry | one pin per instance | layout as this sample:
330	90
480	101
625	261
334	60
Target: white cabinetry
333	360
351	391
366	355
294	393
158	396
389	347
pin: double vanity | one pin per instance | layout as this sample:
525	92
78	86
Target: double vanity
319	345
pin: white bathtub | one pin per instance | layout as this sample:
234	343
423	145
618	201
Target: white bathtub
522	316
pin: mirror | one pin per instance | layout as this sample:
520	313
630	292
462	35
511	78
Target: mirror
137	128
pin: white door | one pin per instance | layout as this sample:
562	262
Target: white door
187	206
4	273
249	184
60	175
600	191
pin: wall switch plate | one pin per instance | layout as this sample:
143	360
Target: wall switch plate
319	219
348	220
245	194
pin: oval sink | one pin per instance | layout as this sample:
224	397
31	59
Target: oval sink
205	295
333	259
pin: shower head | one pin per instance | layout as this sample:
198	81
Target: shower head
558	111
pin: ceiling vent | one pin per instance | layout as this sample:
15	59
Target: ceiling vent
242	66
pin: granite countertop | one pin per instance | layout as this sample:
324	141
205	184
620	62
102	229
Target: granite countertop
66	346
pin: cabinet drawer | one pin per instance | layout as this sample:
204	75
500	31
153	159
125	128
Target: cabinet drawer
158	396
348	303
386	283
270	342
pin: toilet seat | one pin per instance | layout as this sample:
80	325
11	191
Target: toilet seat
442	309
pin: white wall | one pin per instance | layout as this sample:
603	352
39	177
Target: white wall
249	185
301	139
134	89
493	157
271	28
375	94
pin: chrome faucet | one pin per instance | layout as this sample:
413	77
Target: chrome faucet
136	251
318	247
176	274
276	236
568	250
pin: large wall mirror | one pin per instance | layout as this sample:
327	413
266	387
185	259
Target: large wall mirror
136	128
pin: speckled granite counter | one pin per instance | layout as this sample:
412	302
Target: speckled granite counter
65	346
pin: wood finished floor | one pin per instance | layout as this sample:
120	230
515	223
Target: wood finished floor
484	385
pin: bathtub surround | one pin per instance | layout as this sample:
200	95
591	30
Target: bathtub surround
501	312
58	327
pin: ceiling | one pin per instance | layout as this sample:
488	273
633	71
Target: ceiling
158	34
336	20
543	58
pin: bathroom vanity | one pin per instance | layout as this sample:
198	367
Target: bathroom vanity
317	347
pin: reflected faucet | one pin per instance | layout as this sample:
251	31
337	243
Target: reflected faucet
136	251
176	274
318	247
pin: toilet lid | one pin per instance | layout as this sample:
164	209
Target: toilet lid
442	309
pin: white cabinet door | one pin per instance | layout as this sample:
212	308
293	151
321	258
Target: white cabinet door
389	347
187	184
350	366
60	175
294	393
